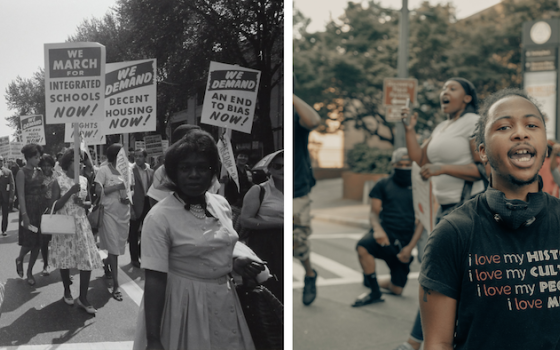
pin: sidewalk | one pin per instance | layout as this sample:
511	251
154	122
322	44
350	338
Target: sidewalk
328	205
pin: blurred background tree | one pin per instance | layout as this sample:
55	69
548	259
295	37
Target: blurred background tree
340	71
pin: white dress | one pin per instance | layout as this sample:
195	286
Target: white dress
113	231
202	310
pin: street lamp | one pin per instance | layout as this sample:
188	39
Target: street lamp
402	66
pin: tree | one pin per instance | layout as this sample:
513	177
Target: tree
342	68
27	97
184	36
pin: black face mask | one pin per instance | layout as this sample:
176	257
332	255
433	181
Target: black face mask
402	177
515	213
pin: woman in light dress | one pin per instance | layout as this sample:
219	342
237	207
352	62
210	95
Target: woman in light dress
189	299
78	250
265	220
113	231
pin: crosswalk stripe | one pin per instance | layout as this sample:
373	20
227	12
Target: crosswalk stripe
347	275
130	287
121	345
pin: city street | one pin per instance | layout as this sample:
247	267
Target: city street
35	317
330	322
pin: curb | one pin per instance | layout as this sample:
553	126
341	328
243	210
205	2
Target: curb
361	223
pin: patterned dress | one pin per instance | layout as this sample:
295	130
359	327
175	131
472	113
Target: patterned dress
35	203
74	251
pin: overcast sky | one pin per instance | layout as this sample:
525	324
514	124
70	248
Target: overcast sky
25	26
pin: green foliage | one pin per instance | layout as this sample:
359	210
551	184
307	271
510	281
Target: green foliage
349	60
364	159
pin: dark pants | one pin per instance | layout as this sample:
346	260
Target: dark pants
416	332
134	232
399	270
5	203
269	246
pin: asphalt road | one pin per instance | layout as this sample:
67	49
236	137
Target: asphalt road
330	322
35	317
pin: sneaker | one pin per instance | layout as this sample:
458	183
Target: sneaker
309	289
368	298
4	234
404	346
45	271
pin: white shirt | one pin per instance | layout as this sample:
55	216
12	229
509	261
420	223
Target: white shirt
450	144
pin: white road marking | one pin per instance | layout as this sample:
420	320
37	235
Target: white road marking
120	345
130	287
347	275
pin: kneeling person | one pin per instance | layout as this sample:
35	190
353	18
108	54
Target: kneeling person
393	234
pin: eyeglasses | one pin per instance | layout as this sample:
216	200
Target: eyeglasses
276	166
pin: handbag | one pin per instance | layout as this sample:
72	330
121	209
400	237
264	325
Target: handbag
57	224
96	217
264	314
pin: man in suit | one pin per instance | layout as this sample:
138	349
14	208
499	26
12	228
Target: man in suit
143	178
233	194
7	191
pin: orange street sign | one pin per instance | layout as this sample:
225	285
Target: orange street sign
397	90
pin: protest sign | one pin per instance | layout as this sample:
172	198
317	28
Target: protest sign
130	97
33	129
5	146
231	95
164	145
153	145
89	131
123	167
226	157
425	205
14	150
74	82
139	145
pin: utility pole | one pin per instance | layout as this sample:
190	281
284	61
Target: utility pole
402	66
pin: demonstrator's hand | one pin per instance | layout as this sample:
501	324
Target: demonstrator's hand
381	238
247	268
405	255
405	111
429	170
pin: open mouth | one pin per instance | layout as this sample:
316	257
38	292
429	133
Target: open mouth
445	100
522	157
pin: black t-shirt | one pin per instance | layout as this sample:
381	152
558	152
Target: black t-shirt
506	282
303	173
397	213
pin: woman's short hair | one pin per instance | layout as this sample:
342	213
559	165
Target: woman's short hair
66	159
490	101
112	152
196	141
31	149
47	159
